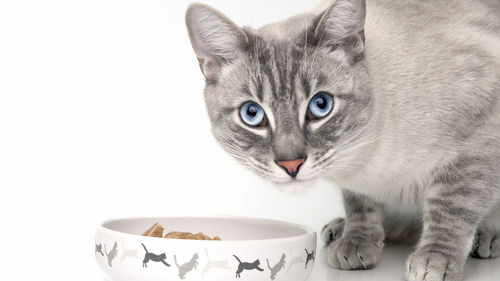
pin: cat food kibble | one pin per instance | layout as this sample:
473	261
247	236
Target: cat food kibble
157	231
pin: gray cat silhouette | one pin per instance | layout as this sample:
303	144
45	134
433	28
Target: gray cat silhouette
112	254
187	267
153	257
128	253
247	266
295	260
221	264
277	267
310	257
98	249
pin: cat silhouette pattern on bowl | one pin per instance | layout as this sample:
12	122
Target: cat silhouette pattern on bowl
151	258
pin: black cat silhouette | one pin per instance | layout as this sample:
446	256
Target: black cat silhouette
187	267
153	257
247	266
310	257
98	249
112	254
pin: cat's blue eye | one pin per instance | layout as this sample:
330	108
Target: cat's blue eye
252	114
320	105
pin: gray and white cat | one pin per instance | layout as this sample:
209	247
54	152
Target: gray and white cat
396	101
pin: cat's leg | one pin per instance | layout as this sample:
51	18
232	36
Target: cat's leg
487	239
454	205
357	241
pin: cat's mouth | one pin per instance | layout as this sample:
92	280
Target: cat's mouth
294	185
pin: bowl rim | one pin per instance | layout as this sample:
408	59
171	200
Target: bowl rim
308	231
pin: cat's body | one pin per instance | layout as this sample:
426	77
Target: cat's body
153	257
413	135
112	254
439	100
247	266
187	267
277	267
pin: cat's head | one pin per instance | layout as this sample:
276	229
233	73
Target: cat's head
163	256
256	262
290	101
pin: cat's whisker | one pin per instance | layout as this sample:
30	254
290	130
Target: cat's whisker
340	145
258	164
352	150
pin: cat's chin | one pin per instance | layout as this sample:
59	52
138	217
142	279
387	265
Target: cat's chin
294	186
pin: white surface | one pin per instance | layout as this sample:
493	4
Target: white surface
102	116
391	267
249	239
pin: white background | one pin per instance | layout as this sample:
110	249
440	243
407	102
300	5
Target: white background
102	116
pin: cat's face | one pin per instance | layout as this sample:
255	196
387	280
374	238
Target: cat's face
163	256
290	108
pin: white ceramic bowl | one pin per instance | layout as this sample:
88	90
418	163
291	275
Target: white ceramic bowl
268	250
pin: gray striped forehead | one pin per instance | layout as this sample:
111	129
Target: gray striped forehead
281	65
284	73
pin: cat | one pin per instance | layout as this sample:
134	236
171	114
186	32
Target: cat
395	101
221	264
294	260
187	267
247	266
277	267
153	257
98	249
128	253
309	257
112	254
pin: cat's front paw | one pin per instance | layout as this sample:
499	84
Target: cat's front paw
332	230
350	254
486	245
432	266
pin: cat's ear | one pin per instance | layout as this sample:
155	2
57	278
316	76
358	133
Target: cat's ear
214	37
343	24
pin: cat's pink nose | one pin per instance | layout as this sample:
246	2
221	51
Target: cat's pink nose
291	166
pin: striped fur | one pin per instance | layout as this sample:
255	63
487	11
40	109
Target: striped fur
414	135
